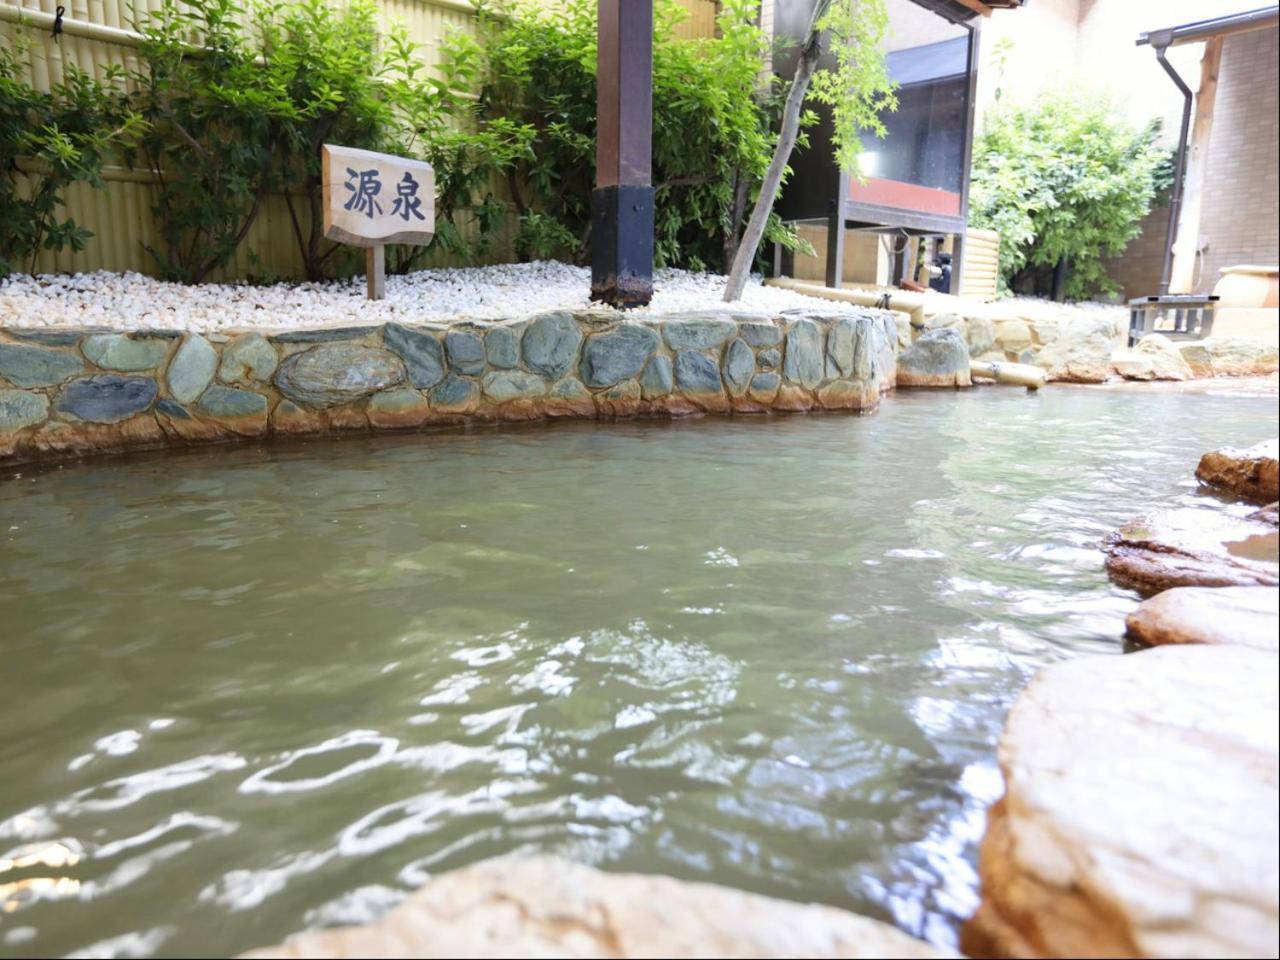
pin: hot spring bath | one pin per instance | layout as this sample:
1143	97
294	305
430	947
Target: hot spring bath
247	691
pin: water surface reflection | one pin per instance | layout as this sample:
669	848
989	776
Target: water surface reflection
251	690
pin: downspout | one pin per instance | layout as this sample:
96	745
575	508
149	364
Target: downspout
1175	199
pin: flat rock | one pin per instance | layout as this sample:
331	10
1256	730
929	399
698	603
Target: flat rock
106	399
939	358
248	359
191	369
697	333
19	409
1252	473
116	351
335	373
504	385
1245	616
322	335
618	355
1193	548
1139	814
421	352
550	907
1242	357
231	403
550	344
760	333
35	366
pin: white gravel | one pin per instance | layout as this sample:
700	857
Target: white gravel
131	301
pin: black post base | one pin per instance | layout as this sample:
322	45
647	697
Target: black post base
622	245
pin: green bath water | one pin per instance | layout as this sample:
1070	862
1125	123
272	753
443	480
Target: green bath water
246	691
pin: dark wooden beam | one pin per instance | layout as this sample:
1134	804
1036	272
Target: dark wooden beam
622	202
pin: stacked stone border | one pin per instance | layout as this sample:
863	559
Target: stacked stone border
68	392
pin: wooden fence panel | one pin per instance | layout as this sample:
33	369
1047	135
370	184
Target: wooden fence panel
120	215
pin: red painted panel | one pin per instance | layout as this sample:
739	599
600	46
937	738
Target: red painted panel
905	196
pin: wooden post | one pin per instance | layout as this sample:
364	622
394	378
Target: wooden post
1182	274
622	202
375	265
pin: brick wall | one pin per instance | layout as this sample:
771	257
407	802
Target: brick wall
1241	209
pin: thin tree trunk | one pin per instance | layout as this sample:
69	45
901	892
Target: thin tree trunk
752	236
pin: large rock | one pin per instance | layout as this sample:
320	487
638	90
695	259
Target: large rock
803	362
617	355
106	399
696	374
1011	335
1197	357
1081	354
1244	616
501	386
1139	814
548	907
335	373
117	351
35	366
979	334
550	345
1193	548
1166	360
191	369
19	409
465	351
1242	357
248	359
421	352
940	358
739	365
1252	473
697	333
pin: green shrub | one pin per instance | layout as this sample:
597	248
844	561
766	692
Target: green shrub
63	137
711	125
244	118
1062	178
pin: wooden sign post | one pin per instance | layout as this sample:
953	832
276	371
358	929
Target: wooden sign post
372	199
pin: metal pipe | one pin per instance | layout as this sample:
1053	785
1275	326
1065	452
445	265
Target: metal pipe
1175	200
131	38
70	26
1216	27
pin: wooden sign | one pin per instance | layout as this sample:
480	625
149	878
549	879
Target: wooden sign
372	199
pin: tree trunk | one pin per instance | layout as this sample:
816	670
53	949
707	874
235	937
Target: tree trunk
752	236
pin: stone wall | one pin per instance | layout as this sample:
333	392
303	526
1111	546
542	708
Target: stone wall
65	392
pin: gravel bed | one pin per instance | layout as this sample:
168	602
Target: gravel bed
131	301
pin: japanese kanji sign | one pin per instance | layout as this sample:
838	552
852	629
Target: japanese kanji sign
375	198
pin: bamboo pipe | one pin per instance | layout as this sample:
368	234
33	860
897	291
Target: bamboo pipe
902	301
1020	374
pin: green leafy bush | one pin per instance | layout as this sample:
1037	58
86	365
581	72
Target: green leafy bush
711	125
62	137
243	116
1062	178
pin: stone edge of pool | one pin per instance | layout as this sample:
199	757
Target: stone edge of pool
68	392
